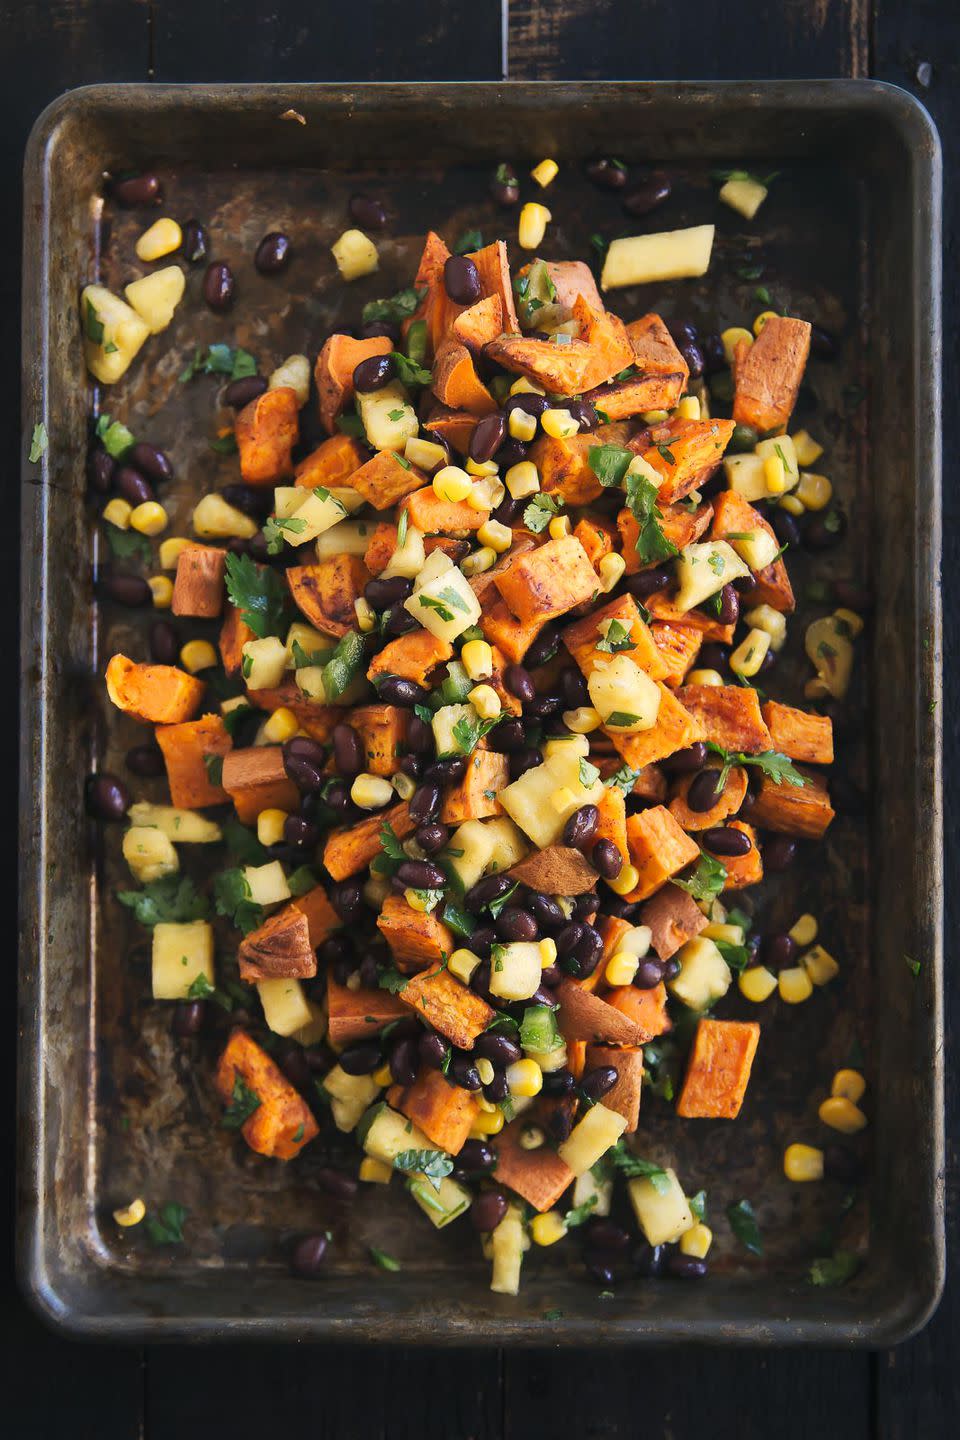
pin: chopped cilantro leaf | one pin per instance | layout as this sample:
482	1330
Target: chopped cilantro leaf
706	880
616	639
231	893
432	1164
743	1223
609	463
540	512
385	1261
390	312
775	766
172	900
243	1103
166	1228
258	594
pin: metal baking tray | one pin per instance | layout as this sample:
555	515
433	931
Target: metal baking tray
108	1107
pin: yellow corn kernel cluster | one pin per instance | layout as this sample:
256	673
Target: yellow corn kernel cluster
130	1214
117	512
774	475
521	425
803	1163
558	424
804	931
764	617
841	1114
161	588
534	219
731	339
544	172
704	677
162	238
696	1241
404	785
485	1070
522	479
462	964
559	527
583	720
611	571
487	1123
689	408
808	451
791	504
198	655
482	468
498	536
476	657
848	1085
149	518
452	484
756	984
524	1077
794	985
547	1229
485	701
621	968
270	825
548	951
486	493
281	726
627	880
371	792
375	1172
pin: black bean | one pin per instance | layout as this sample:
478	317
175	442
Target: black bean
606	859
504	187
491	887
649	974
778	951
822	343
683	762
569	938
188	1018
527	401
685	1267
346	897
448	771
366	212
498	1089
218	286
649	582
482	941
725	840
513	923
432	1049
432	838
393	591
547	911
303	772
729	611
543	705
584	904
599	1269
620	909
508	511
421	875
308	1255
542	996
779	852
580	829
136	190
420	736
463	1072
558	1082
293	1062
670	969
102	470
348	750
498	1049
649	1259
508	736
337	796
399	621
693	355
403	1062
825	530
461	280
574	687
543	648
107	797
380	329
334	948
785	527
595	1083
523	760
606	1236
373	373
608	174
476	1157
487	1210
299	832
704	793
164	643
559	1125
647	196
273	253
361	1058
488	435
195	242
369	971
240	392
394	690
253	500
840	1164
340	1186
133	486
588	952
584	414
519	682
425	801
145	760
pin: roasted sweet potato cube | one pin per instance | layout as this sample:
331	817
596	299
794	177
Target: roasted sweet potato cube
771	585
185	748
479	324
538	1176
234	634
624	1096
660	373
555	870
548	581
322	919
380	546
596	537
435	516
454	426
606	337
315	718
155	694
655	353
584	638
729	803
334	369
612	929
475	797
675	729
413	657
658	848
385	479
559	369
456	383
646	1010
570	278
584	1016
282	1123
685	453
662	608
444	1112
198	589
331	464
255	780
743	870
266	431
448	1006
351	849
802	736
803	810
278	949
326	592
493	267
674	917
514	637
679	525
612	825
564	465
767	376
679	646
383	730
718	1070
729	715
432	260
417	940
359	1014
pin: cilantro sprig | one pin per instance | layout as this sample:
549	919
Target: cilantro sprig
394	309
779	768
219	360
243	1103
743	1223
258	594
166	1227
706	880
432	1164
172	900
540	512
468	733
232	897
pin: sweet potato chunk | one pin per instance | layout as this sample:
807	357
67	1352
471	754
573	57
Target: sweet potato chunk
584	1016
417	940
559	369
564	465
383	730
771	585
685	453
743	870
658	848
479	324
444	1112
385	479
332	463
322	919
512	636
359	1014
583	639
256	780
282	1123
767	377
729	803
662	608
279	948
184	748
411	656
315	718
612	824
198	589
454	426
646	1010
448	1006
675	729
234	634
435	516
325	593
654	351
494	269
456	383
556	870
624	1096
679	525
679	646
334	369
606	335
155	694
570	278
718	1070
432	260
803	810
729	715
674	917
802	736
267	430
475	796
351	849
660	373
596	537
538	1176
548	581
380	546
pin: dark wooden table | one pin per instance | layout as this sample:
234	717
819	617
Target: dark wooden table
54	1388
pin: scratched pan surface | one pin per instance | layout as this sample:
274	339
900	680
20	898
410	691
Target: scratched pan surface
110	1105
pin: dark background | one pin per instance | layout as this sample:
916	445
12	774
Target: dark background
53	1388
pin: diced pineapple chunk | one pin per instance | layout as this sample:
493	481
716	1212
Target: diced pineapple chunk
624	695
355	254
156	296
390	1134
588	1187
311	642
530	800
758	550
352	537
591	1138
318	513
268	884
186	827
388	417
509	845
515	970
263	663
123	333
316	1027
410	558
149	853
827	643
507	1247
662	1210
782	448
704	569
350	1096
704	974
181	953
745	474
440	1205
743	194
446	605
286	1008
669	255
293	374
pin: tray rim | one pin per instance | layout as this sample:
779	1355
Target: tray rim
882	1327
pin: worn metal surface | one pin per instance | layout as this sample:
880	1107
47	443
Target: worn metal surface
109	1108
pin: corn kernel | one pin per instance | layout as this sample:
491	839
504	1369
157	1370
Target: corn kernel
171	550
792	505
750	653
841	1114
696	1241
689	408
764	617
483	494
627	880
558	424
814	491
705	677
621	968
495	534
547	1229
522	479
355	254
544	172
533	225
583	720
383	1076
482	468
820	965
117	512
353	981
452	484
161	588
375	1172
281	726
481	560
404	785
731	338
774	475
851	619
418	900
803	1163
198	655
524	1077
719	930
487	1106
794	985
463	963
270	825
611	571
161	238
366	616
485	701
848	1085
149	518
523	386
486	1124
425	454
807	449
548	952
214	519
130	1214
655	417
476	657
371	792
485	1070
521	425
762	319
804	931
532	1138
756	984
